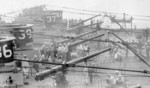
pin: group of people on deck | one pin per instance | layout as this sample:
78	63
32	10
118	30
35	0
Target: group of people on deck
116	53
53	52
83	50
58	53
116	81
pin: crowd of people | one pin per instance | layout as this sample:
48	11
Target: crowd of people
83	50
116	53
55	53
116	81
58	53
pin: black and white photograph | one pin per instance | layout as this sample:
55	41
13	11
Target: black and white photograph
74	43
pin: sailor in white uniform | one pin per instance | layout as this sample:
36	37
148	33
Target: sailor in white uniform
25	66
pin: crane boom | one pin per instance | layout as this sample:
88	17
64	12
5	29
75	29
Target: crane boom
80	35
79	42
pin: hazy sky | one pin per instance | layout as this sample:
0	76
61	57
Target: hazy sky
133	7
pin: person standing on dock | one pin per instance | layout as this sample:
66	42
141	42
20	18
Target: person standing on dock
25	66
147	46
60	80
36	65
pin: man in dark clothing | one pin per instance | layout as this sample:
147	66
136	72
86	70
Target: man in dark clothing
90	73
147	46
60	80
18	65
35	65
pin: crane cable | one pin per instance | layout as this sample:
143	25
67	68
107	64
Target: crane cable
73	65
80	71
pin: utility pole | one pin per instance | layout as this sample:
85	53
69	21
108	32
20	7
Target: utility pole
124	20
124	17
131	25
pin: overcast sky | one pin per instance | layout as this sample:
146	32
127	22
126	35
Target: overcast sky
132	7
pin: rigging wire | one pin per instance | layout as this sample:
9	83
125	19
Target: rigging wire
147	16
134	18
95	11
141	19
79	71
139	15
80	13
73	65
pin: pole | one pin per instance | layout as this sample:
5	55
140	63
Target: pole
126	47
124	16
131	26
